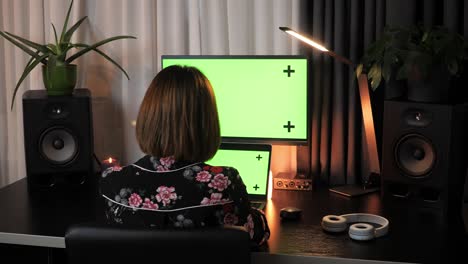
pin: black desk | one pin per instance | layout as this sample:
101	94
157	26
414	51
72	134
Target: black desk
40	221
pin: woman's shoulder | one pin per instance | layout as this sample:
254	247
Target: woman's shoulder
116	172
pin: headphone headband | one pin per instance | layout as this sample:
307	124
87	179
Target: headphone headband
369	218
358	230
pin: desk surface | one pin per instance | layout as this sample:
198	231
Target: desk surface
41	219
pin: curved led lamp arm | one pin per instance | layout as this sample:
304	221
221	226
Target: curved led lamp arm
365	106
317	45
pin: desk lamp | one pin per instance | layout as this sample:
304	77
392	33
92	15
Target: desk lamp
374	165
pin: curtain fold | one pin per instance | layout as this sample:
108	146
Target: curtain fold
163	27
338	153
12	147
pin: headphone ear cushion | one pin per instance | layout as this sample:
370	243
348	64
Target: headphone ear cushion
334	223
361	231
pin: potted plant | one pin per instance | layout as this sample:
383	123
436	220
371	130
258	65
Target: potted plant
58	72
425	58
433	57
382	59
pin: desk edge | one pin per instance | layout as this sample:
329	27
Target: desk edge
32	240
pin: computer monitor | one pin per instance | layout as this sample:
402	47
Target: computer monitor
260	99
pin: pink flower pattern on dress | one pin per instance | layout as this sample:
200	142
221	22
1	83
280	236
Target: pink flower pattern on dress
160	168
162	164
165	195
148	204
219	182
203	176
213	185
249	225
134	200
167	161
230	219
215	198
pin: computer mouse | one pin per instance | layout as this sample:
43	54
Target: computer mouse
290	213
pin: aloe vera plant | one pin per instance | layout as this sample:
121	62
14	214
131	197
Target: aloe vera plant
52	55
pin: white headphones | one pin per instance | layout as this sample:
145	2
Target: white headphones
358	230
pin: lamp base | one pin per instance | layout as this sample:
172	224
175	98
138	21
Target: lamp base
371	185
353	190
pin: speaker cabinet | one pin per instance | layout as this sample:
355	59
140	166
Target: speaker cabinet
423	160
58	139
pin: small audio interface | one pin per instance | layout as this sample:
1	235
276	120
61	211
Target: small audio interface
292	184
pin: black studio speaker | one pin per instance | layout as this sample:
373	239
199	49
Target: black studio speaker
423	157
58	139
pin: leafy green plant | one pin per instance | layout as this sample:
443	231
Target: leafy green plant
407	52
384	55
54	55
431	47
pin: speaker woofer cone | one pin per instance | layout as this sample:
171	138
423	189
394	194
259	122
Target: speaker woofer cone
415	155
58	146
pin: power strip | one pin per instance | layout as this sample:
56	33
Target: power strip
292	184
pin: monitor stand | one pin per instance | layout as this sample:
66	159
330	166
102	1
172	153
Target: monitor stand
352	190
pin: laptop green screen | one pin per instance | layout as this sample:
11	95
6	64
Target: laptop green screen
252	164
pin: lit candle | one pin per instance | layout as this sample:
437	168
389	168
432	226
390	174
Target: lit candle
109	162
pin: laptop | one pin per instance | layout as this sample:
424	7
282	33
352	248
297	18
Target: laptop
253	163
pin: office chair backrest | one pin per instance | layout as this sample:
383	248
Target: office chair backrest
95	243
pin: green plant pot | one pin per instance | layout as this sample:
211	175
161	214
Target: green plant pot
433	89
394	88
59	80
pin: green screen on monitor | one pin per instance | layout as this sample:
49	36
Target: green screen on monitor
259	98
252	162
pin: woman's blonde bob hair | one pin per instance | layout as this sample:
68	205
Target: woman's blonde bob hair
178	116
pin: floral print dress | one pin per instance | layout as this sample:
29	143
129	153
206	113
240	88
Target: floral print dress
164	193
